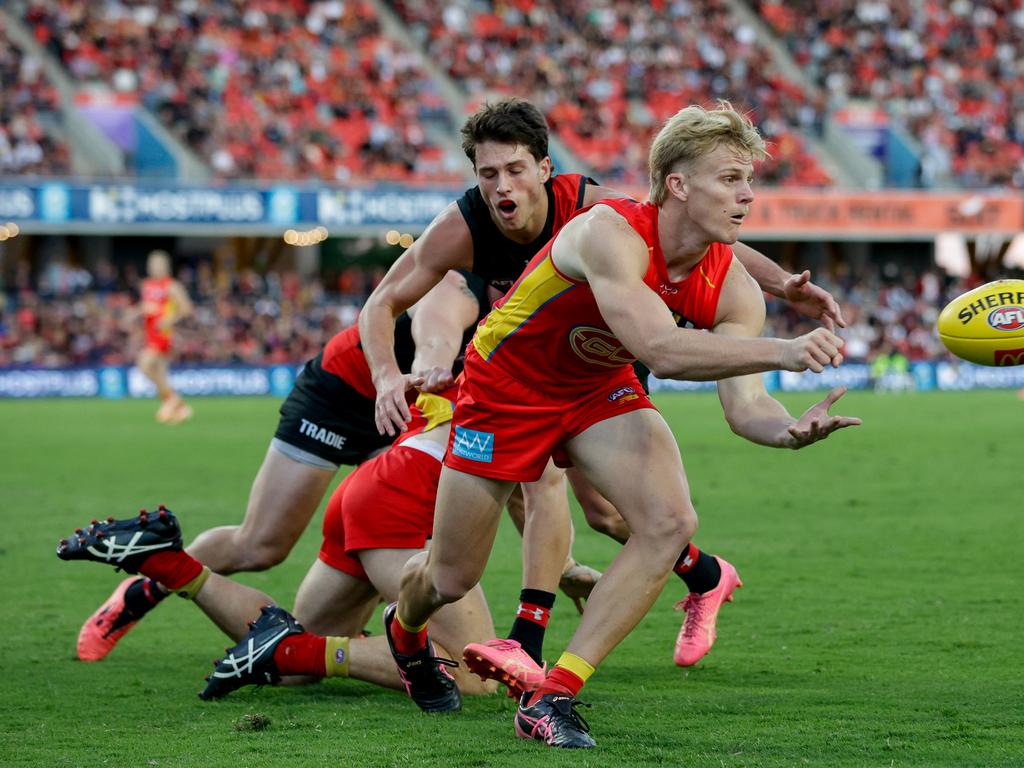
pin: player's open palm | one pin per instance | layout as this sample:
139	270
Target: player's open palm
817	423
813	301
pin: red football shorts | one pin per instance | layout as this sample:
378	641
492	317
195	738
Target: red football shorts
158	341
384	503
506	430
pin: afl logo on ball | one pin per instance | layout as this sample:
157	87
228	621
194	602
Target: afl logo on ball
1007	318
599	347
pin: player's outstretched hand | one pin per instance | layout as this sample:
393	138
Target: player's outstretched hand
817	424
436	379
813	301
391	412
813	351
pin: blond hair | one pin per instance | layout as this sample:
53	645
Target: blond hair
694	132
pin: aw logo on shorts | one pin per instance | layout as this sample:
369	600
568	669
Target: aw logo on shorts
473	445
599	347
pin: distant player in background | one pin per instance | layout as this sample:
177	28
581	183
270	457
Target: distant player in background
164	302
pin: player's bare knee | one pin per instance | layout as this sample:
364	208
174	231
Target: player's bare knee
452	584
670	527
264	556
606	520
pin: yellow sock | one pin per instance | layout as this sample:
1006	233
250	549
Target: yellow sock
190	590
578	666
408	628
336	657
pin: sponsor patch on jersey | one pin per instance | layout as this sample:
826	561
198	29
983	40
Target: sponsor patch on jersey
622	393
473	445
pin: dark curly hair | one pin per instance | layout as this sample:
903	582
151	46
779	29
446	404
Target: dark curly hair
509	121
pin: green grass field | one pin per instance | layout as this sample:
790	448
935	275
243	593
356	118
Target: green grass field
881	623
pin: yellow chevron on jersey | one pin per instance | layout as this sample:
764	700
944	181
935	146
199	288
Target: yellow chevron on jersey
534	289
437	410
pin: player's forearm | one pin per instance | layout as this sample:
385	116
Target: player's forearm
699	356
435	353
763	421
437	339
769	275
377	338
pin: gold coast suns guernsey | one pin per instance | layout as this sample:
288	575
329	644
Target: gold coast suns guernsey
157	305
547	331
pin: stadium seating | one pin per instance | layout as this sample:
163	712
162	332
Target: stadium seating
28	115
608	74
305	89
70	317
265	89
73	317
967	109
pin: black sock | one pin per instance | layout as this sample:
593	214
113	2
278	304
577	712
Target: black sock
698	570
142	596
531	621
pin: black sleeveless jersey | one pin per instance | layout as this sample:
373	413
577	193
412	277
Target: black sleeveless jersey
498	260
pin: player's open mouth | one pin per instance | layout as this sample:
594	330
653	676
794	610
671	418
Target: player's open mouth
507	207
737	219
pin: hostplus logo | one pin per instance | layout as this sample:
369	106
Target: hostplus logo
473	445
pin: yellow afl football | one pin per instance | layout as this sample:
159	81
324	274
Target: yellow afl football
986	325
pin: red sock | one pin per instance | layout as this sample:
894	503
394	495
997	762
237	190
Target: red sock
559	680
687	559
407	643
172	569
301	655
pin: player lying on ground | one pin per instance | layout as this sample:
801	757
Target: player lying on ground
378	517
627	274
326	422
494	230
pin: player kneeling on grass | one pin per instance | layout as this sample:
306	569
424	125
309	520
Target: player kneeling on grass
380	515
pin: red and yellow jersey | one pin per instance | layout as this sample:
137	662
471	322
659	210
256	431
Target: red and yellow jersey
157	310
547	331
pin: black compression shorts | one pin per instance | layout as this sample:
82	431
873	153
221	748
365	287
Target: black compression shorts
325	416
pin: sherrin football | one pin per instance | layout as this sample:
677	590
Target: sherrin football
986	325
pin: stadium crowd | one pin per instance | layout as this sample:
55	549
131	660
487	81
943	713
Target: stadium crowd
70	316
608	74
264	89
313	89
28	107
951	73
